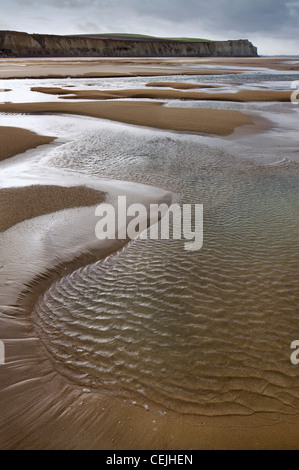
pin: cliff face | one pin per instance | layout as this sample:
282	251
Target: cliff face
15	44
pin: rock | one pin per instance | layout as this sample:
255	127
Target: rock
18	44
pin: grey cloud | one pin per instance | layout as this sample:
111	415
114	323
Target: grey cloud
88	27
214	19
232	15
218	15
41	19
61	3
26	2
72	3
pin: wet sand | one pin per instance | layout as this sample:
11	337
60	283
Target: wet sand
40	409
124	67
243	96
100	68
14	140
208	121
33	201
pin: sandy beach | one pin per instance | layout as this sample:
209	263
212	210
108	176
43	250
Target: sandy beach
210	121
99	68
240	96
121	67
41	408
14	141
33	201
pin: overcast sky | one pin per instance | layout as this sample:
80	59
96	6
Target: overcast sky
272	25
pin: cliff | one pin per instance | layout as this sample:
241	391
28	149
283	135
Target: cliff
17	44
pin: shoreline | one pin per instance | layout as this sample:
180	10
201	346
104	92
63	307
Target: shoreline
48	226
243	96
79	67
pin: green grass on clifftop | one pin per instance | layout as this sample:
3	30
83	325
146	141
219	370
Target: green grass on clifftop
144	36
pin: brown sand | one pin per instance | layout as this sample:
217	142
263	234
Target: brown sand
127	67
62	416
14	140
42	410
241	96
207	121
19	204
101	67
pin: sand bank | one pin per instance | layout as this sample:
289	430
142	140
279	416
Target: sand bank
208	121
128	67
15	140
100	68
33	254
51	225
243	96
19	204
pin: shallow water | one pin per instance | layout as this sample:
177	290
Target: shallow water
20	88
204	333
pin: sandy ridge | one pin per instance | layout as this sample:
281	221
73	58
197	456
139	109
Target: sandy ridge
207	121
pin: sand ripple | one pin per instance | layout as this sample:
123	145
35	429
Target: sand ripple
205	333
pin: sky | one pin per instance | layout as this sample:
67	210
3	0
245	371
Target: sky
271	25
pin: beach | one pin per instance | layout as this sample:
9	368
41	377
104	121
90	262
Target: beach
146	114
135	344
23	202
14	141
124	67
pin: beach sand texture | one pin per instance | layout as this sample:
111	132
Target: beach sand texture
241	96
209	121
40	407
14	141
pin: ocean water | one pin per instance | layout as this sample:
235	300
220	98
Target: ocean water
202	333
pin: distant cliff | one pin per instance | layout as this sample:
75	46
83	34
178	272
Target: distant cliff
16	44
